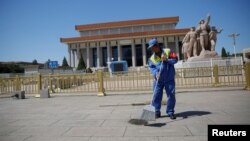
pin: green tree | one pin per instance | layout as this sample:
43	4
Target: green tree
223	52
81	64
11	68
88	70
64	63
34	62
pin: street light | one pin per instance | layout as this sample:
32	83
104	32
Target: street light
234	35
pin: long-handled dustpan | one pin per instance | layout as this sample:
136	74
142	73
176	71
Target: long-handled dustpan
148	113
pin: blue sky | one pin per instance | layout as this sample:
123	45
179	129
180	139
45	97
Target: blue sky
31	29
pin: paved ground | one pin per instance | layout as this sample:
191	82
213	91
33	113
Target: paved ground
92	118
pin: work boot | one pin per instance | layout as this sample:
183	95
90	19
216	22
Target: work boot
157	115
172	116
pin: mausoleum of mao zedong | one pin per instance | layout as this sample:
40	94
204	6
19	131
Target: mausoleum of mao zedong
100	43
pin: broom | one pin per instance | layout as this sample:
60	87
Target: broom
148	113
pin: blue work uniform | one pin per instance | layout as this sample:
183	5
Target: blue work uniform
166	80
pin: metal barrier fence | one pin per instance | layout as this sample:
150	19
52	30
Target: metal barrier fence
56	83
210	63
128	81
100	82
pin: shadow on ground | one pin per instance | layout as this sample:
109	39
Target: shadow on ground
189	114
156	124
180	116
192	114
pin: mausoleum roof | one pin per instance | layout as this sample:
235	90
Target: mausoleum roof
126	35
174	20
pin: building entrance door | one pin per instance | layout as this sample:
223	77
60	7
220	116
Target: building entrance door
138	51
104	56
127	54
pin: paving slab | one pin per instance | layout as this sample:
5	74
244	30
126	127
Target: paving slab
96	131
154	130
75	123
186	138
123	139
56	138
198	129
7	130
117	123
41	131
70	117
33	122
109	116
14	138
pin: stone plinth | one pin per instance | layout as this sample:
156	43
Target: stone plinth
44	93
204	56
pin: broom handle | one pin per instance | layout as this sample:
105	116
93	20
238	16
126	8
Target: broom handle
157	82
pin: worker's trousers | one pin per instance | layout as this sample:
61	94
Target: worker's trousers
158	92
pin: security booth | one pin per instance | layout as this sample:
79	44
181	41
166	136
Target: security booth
117	66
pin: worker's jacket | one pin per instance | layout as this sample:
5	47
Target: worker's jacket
168	70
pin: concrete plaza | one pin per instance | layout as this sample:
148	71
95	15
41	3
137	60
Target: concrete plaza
92	118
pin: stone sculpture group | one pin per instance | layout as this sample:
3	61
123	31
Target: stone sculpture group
199	42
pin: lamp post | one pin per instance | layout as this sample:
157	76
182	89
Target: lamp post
234	35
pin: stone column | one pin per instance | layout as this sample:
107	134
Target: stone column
108	51
77	54
74	65
88	62
91	61
165	41
144	56
133	53
119	51
69	59
98	54
177	46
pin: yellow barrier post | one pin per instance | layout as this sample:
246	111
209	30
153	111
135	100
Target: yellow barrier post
50	84
247	75
63	83
1	85
216	75
39	85
18	83
58	88
101	91
39	78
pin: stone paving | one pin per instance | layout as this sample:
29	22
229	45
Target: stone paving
92	118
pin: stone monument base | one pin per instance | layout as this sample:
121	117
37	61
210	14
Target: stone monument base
204	56
209	59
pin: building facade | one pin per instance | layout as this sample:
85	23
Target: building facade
123	40
246	54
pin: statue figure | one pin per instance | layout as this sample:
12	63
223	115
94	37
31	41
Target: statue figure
198	51
190	43
203	30
193	41
213	37
185	45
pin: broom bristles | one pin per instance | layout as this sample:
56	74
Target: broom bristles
148	113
